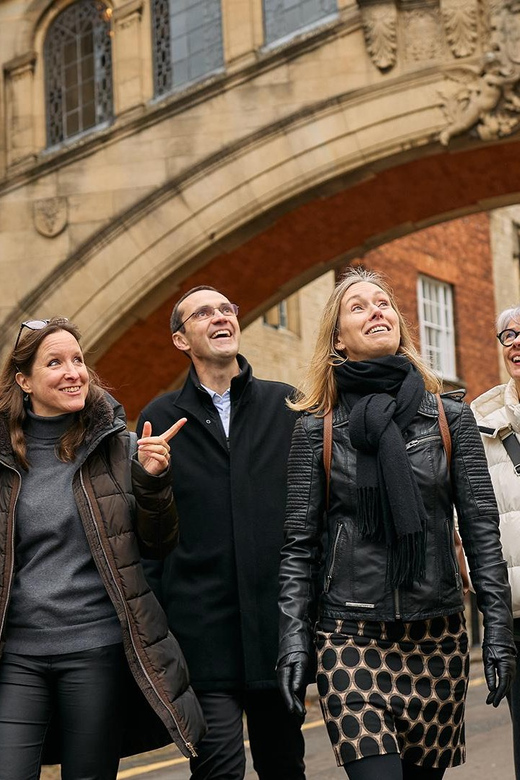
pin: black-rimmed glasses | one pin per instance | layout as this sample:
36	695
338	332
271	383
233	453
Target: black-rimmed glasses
508	336
205	312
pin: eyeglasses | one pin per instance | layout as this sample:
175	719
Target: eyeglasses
35	325
205	312
507	336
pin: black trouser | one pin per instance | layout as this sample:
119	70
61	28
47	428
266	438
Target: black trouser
513	698
275	737
389	767
84	691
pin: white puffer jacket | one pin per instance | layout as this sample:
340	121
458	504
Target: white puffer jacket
499	410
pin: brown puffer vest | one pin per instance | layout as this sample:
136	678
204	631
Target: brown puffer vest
126	513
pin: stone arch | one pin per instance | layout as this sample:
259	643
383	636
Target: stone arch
300	197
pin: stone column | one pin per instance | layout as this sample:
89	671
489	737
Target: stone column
128	49
19	77
242	28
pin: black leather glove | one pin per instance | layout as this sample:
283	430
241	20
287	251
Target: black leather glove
291	675
499	663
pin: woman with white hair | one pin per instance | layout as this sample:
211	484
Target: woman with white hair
382	604
498	416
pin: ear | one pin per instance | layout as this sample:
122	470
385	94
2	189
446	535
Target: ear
338	344
180	341
23	381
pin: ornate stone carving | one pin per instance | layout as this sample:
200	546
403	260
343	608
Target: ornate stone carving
50	216
380	28
460	19
421	32
488	101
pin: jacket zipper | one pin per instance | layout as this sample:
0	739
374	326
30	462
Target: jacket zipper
188	744
414	442
333	561
12	509
397	606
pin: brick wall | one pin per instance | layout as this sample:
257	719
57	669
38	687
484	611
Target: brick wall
458	253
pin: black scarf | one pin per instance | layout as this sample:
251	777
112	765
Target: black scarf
383	396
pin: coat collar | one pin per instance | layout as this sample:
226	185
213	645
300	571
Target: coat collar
193	394
106	414
498	408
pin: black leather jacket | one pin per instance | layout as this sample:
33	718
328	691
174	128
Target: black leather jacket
325	552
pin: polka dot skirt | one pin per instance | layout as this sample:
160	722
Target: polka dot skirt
395	688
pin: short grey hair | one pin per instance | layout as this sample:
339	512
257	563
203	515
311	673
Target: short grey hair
505	317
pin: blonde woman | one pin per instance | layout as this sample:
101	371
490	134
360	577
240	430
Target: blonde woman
498	417
387	619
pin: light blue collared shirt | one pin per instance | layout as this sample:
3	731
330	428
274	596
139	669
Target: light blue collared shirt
222	405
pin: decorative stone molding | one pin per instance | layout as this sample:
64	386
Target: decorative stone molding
487	101
460	19
380	29
421	31
50	216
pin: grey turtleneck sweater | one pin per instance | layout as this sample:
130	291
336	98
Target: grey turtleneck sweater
58	601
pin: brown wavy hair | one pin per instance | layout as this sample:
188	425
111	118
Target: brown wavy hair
319	392
12	404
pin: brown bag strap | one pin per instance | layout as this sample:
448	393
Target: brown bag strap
327	449
445	428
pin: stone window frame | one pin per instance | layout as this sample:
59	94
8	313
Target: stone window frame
57	113
163	45
284	316
435	300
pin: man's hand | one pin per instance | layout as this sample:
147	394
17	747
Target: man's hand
499	664
291	674
153	452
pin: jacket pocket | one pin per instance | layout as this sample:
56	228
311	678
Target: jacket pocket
332	564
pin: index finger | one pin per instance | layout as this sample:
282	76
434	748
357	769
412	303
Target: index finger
171	432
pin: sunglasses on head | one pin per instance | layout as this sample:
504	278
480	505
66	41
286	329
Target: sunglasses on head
34	325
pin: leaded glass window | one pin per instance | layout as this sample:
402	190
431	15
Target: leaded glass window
187	37
286	17
78	70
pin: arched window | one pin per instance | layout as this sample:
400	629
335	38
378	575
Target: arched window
78	70
187	41
286	17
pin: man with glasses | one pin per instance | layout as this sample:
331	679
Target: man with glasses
219	587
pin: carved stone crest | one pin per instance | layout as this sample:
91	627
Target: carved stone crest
50	216
380	29
422	35
460	19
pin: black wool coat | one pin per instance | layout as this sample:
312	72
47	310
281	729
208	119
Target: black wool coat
219	587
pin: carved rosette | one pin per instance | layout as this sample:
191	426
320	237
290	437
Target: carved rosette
50	216
460	19
380	28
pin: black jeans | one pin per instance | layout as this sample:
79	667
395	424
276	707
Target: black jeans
84	691
513	699
275	737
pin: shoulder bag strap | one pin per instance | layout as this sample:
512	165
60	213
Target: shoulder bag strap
512	446
327	449
445	428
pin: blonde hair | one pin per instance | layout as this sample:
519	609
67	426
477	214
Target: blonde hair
319	392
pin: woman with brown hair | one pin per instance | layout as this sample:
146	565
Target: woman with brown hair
385	612
88	669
